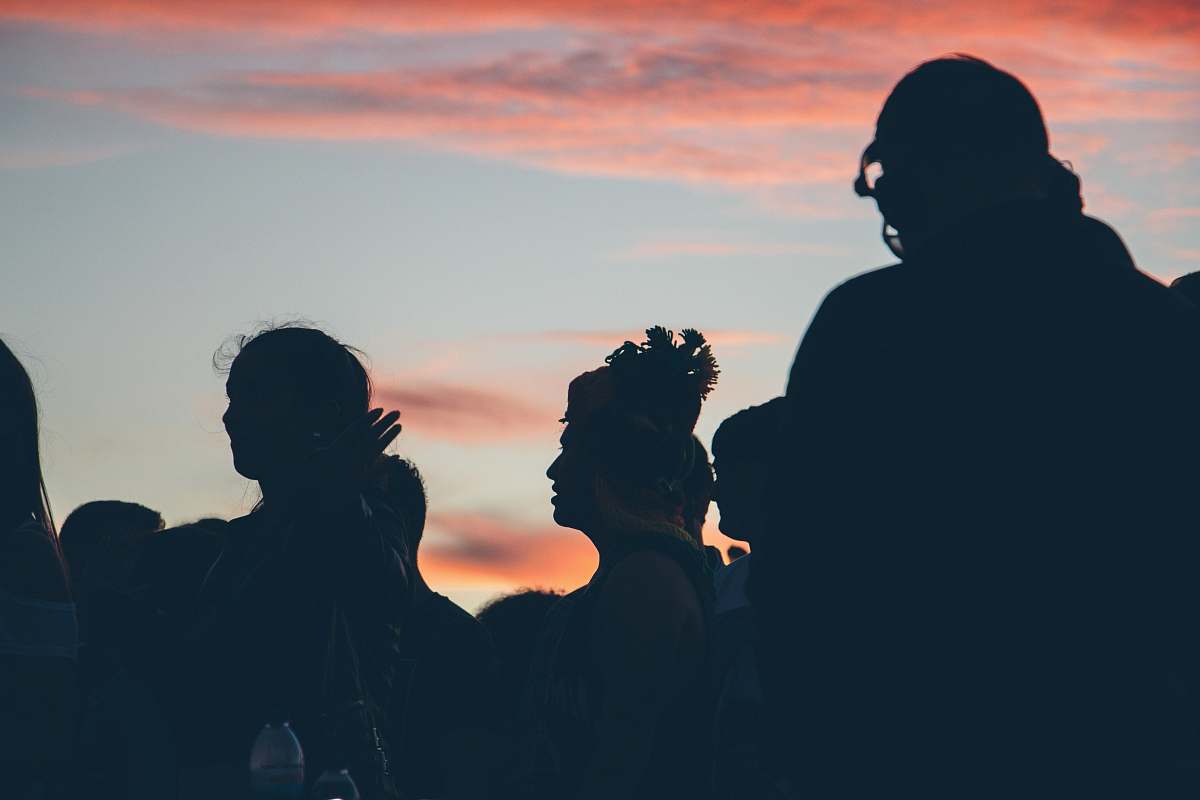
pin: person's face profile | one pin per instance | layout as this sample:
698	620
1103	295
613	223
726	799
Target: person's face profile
740	496
573	481
260	420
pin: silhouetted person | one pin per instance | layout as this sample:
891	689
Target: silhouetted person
38	632
743	450
1189	286
100	541
514	622
316	578
697	491
979	573
620	687
447	713
698	494
123	749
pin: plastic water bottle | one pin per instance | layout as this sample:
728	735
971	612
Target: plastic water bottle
335	785
277	764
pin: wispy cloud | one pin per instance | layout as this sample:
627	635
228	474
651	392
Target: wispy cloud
752	96
1150	20
1163	220
467	414
465	548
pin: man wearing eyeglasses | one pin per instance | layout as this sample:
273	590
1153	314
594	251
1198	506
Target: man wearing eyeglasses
988	588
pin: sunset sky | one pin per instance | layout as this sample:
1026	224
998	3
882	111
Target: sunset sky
487	196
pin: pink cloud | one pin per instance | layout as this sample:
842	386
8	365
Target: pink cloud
761	96
1162	220
467	414
469	548
1164	158
464	548
752	113
1151	20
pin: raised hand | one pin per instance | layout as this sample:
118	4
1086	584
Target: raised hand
344	463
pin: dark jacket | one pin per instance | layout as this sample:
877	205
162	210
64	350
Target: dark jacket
253	647
981	569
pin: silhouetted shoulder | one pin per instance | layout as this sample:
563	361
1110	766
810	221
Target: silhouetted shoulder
874	288
29	565
847	320
462	626
647	589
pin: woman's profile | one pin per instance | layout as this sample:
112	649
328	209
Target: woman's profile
619	701
295	615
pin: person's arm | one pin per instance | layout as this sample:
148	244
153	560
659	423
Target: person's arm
362	542
648	643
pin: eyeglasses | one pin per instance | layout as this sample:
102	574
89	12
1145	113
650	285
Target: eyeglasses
870	170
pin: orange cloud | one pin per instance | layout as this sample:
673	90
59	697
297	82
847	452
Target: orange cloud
467	414
763	96
467	549
472	549
1149	20
743	107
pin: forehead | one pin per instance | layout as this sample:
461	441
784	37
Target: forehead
251	368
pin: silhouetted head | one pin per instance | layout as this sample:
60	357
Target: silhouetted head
743	447
1189	286
291	390
100	539
517	618
401	482
514	622
697	492
627	445
22	490
955	136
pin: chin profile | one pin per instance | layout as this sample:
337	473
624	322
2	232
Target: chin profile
245	467
565	519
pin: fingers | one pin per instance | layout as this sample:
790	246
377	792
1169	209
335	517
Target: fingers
384	422
383	433
388	438
360	426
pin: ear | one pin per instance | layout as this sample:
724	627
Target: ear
321	419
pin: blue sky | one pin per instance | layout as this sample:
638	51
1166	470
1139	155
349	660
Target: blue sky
486	207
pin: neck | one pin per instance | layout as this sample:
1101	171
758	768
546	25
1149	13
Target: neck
954	212
603	541
275	490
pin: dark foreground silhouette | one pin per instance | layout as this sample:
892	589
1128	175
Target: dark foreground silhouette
974	546
980	567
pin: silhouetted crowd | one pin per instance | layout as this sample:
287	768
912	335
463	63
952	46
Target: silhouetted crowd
972	563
